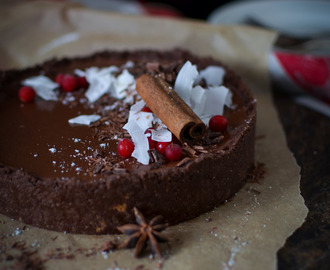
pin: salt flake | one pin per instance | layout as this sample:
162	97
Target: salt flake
52	150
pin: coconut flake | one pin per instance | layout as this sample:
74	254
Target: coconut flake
213	76
85	119
111	107
229	100
215	99
128	64
197	99
137	123
185	80
143	119
102	81
129	99
138	106
43	86
124	81
205	102
208	102
140	142
161	134
99	79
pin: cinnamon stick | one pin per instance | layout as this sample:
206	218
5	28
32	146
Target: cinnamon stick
170	108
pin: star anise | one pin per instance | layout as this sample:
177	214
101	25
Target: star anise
141	232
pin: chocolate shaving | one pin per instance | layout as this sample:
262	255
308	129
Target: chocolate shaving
98	153
190	151
183	162
22	257
211	138
97	169
139	267
119	170
216	140
253	190
153	67
156	158
200	149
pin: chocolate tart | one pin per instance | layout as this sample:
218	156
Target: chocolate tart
63	177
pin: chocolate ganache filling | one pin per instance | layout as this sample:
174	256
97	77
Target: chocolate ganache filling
40	140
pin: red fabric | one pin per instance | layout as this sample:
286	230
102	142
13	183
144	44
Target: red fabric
310	72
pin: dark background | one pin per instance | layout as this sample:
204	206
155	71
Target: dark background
192	9
308	137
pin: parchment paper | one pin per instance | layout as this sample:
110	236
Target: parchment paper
245	232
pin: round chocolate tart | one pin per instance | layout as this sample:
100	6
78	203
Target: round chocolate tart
69	177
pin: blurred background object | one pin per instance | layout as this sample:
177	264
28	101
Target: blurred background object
300	60
186	8
295	18
136	7
191	8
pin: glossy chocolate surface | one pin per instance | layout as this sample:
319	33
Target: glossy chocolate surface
39	139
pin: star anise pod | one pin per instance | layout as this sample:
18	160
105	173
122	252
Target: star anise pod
140	233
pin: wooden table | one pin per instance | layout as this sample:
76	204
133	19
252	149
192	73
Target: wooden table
308	137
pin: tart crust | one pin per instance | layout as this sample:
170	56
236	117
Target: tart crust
98	204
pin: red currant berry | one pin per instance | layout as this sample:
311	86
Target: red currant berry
82	82
146	109
161	146
152	143
125	148
69	83
218	123
26	94
59	78
173	152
